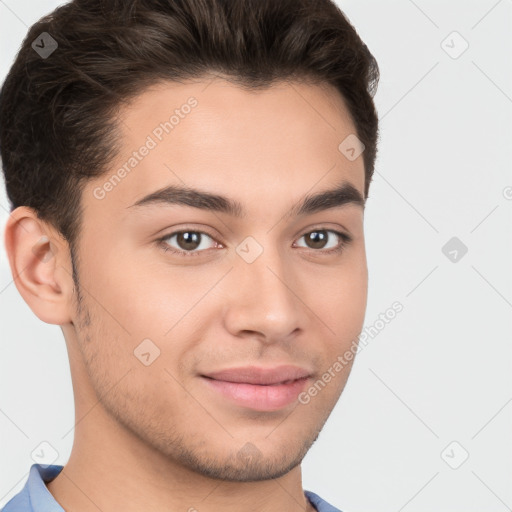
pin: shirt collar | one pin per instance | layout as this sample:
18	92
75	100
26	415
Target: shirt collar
41	500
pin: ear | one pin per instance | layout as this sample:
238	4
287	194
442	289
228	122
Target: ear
40	265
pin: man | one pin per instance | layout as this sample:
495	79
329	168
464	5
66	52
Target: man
187	182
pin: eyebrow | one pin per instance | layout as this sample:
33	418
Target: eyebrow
343	194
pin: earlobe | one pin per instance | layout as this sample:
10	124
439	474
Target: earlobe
37	255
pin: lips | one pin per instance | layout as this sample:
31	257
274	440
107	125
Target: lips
260	375
258	389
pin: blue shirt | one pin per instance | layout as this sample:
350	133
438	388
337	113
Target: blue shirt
35	496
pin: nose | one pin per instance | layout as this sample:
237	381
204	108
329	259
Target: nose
264	298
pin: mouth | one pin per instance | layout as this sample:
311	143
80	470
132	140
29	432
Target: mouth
259	397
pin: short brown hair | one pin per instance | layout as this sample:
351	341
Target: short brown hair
58	113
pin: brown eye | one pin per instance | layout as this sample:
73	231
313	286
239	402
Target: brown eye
319	239
316	239
188	242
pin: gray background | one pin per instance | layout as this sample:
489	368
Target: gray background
432	386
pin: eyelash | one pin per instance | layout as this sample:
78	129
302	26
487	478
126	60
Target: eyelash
345	240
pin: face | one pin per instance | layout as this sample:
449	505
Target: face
172	292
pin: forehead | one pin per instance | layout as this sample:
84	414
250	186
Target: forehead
273	144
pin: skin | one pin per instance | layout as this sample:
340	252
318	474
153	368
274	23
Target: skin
155	437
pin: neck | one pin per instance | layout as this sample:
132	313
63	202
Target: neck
118	471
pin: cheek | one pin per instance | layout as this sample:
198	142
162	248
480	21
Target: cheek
148	323
341	300
142	298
